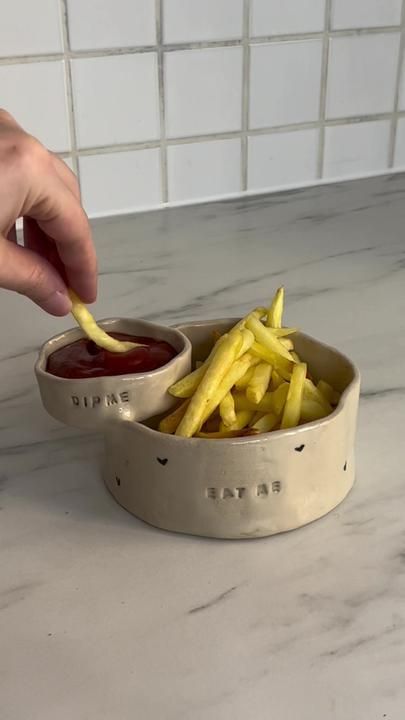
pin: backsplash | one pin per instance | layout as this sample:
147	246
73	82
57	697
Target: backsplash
175	101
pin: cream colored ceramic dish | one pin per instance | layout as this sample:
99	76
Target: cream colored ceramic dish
235	488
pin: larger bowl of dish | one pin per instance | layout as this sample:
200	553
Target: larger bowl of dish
246	487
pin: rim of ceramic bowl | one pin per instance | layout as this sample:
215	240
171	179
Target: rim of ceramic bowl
46	350
355	381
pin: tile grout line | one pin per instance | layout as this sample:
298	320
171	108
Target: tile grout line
398	77
162	110
245	94
201	45
324	88
232	134
69	90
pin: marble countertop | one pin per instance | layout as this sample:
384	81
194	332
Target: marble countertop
104	617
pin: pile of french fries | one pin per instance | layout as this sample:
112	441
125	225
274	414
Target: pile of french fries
252	382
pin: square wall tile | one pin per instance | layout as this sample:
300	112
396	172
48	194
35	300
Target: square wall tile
116	99
285	82
203	91
35	94
365	13
204	170
193	20
399	157
361	74
30	28
356	149
281	17
120	182
111	23
280	159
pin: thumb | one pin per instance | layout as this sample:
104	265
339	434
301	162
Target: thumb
28	273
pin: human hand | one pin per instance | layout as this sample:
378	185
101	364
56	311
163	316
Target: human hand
58	248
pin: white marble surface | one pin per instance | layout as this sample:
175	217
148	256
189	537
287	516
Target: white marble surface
103	617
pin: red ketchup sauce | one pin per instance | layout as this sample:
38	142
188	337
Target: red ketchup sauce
84	359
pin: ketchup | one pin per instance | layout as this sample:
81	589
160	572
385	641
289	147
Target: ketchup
84	359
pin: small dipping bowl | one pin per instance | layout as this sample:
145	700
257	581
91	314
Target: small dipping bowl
92	403
230	488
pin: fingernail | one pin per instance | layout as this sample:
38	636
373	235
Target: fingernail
57	304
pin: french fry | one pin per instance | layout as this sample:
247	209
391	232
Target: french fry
256	417
243	418
271	402
283	331
170	423
217	369
275	312
276	380
259	383
295	356
328	392
278	398
266	423
265	337
185	387
223	434
227	410
287	343
311	410
89	326
247	341
236	371
311	392
245	380
279	363
264	406
258	312
292	407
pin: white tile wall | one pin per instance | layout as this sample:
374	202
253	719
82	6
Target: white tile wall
353	150
282	159
35	94
365	13
282	17
166	101
285	83
30	27
116	99
186	21
204	169
203	91
399	155
95	24
362	74
120	182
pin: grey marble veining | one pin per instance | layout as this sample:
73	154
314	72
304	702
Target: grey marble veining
103	617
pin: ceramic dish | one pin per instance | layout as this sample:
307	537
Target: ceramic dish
230	488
